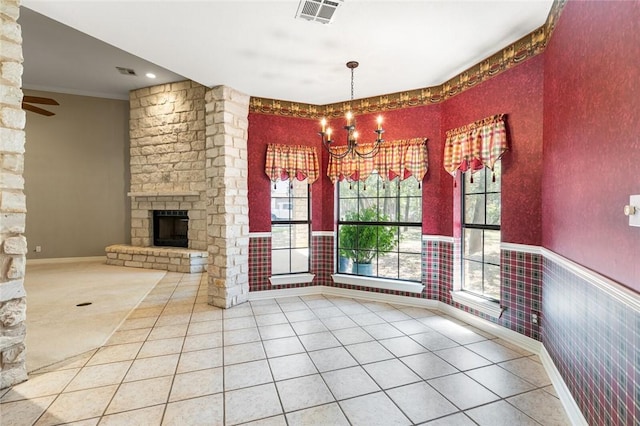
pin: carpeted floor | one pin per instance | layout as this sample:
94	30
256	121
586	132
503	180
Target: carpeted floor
57	329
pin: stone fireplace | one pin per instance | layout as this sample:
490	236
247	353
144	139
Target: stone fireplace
170	228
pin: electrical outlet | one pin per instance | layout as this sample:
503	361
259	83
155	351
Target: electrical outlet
534	318
38	249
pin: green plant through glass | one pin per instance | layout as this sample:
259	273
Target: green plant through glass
362	242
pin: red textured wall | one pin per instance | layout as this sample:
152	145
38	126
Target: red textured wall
518	93
592	137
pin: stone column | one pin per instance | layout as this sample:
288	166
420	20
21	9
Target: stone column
227	204
13	245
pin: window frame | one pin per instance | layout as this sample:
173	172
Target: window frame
487	173
290	222
394	224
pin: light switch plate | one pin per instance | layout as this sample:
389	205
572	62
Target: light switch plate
634	220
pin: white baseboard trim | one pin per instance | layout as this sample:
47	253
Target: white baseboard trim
569	404
65	260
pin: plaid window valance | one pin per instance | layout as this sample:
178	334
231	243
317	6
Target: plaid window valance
476	145
401	158
288	162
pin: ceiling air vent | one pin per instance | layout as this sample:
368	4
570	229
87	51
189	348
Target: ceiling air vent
317	10
126	71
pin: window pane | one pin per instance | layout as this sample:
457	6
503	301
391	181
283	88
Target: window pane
299	260
369	188
493	209
348	208
411	239
410	267
410	188
280	261
411	209
473	244
391	188
497	171
388	264
388	210
474	209
299	236
492	281
473	276
280	236
492	247
478	182
348	189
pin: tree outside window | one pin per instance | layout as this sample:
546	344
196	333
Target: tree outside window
290	227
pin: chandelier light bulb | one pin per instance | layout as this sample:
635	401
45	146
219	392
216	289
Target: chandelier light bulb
349	117
379	122
324	124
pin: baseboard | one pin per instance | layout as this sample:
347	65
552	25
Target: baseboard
569	404
65	260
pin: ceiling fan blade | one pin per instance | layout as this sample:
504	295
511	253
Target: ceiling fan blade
37	110
39	100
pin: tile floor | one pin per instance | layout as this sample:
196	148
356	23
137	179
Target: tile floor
312	360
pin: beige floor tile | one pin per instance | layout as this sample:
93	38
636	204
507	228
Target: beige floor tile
87	422
317	341
308	327
463	391
269	421
99	375
76	361
202	341
461	334
421	402
237	311
500	381
25	411
383	331
300	315
142	312
332	359
303	392
328	312
244	352
493	351
271	319
368	352
349	336
391	373
196	383
140	394
79	405
290	366
393	315
402	346
115	353
542	407
276	331
417	313
434	341
247	374
283	346
458	419
171	319
141	417
353	308
147	368
366	318
349	382
377	306
411	326
373	410
128	336
329	414
133	323
204	327
338	323
42	385
266	309
198	411
500	413
200	360
252	403
168	331
529	370
238	323
205	313
462	358
161	347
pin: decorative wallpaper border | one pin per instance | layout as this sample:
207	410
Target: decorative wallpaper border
527	47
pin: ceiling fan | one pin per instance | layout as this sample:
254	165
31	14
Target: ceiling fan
28	100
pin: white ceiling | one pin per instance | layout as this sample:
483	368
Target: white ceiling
259	48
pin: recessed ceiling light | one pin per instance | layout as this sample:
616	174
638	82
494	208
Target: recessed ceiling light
150	75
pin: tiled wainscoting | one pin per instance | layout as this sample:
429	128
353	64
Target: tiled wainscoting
590	331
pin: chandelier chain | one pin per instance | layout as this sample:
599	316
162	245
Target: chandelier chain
352	83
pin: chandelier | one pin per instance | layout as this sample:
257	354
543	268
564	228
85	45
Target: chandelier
352	133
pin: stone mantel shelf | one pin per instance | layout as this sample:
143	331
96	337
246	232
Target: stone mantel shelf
163	194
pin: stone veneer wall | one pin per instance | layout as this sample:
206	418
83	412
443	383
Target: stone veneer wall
227	203
167	137
13	246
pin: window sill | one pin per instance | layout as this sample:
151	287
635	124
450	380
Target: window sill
408	286
485	306
279	280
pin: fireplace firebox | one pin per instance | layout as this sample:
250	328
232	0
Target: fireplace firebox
170	228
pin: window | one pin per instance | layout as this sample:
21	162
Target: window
380	228
290	227
481	233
